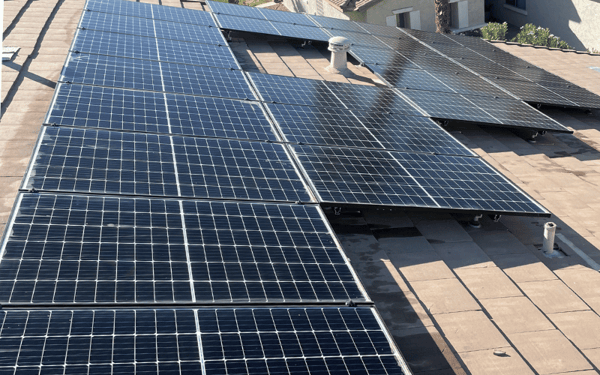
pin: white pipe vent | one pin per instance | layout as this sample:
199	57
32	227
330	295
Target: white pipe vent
339	46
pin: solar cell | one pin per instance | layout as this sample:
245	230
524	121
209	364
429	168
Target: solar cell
371	98
287	17
411	133
220	9
291	90
232	169
327	340
301	31
96	249
251	25
411	180
155	76
323	126
108	108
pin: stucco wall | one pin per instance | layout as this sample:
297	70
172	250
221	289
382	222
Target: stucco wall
378	12
575	21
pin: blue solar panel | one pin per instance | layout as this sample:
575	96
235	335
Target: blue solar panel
114	44
291	90
413	79
337	24
196	54
125	8
287	17
155	76
92	161
118	109
97	249
189	33
220	8
329	340
301	31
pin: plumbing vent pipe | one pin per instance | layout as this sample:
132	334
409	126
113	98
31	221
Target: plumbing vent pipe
549	231
339	46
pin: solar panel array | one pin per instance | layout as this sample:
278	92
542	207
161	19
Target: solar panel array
412	60
158	188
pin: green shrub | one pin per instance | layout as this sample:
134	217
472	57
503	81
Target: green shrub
494	31
538	36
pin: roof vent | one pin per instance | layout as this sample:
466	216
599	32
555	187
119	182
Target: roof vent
338	45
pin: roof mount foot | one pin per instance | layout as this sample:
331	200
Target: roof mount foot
475	222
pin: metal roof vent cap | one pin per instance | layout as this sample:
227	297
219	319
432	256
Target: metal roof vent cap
338	45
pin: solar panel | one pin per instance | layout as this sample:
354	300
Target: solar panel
358	38
530	91
516	113
155	76
232	169
411	133
117	109
463	82
327	340
108	108
96	161
251	25
381	57
323	126
449	106
295	340
466	183
157	12
371	98
386	31
196	54
372	177
301	31
291	90
215	117
91	161
117	24
335	24
287	17
95	249
189	33
220	8
413	79
113	44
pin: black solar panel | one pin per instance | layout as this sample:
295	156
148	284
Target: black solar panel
413	79
411	133
77	160
359	38
371	98
117	109
530	91
449	106
411	180
381	57
155	76
93	249
386	31
251	25
220	8
326	340
463	82
322	126
218	168
291	90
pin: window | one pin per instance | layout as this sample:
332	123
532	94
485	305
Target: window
403	20
521	4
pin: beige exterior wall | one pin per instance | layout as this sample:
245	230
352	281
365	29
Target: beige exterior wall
575	21
377	13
